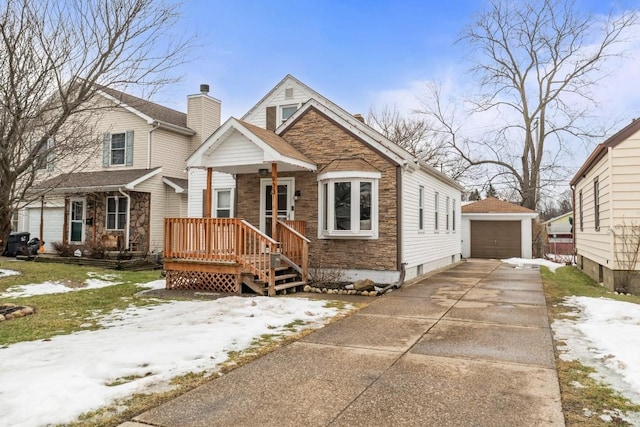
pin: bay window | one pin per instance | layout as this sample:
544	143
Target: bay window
348	204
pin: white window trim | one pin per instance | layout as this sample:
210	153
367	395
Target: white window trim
84	220
448	215
215	208
281	107
124	150
106	216
355	178
421	208
436	208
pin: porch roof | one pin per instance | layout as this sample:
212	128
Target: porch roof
260	147
180	185
111	180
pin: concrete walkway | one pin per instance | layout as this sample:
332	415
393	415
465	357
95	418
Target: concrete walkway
470	346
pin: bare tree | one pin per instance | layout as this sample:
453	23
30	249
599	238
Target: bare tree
538	61
626	240
54	56
416	135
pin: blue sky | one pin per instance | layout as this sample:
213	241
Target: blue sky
358	54
350	51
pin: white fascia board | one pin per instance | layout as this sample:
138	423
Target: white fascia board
349	174
130	109
173	185
211	142
132	184
489	216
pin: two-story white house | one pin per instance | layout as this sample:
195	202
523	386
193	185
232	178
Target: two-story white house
135	179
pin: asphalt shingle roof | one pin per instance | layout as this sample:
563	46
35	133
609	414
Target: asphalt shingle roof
493	205
110	178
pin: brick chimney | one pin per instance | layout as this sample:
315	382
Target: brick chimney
203	115
359	117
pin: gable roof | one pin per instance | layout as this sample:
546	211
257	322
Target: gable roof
180	185
97	181
149	111
355	126
602	148
275	148
276	142
556	218
493	205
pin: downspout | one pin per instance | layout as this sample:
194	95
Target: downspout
399	264
574	261
126	230
156	125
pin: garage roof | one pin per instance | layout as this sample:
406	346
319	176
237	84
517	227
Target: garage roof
493	205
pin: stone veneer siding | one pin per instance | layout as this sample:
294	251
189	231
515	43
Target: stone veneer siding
322	140
96	206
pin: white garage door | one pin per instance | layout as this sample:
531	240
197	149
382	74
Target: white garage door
52	225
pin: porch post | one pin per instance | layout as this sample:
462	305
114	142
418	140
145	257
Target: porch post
274	200
208	194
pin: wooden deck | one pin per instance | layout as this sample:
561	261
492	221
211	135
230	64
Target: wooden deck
222	254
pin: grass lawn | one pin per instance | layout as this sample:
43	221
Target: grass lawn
65	313
69	312
594	396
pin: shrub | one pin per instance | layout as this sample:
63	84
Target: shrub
63	249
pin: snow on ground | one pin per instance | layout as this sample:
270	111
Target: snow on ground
94	281
7	273
521	262
59	379
604	334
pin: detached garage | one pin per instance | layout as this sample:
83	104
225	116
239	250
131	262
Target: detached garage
492	228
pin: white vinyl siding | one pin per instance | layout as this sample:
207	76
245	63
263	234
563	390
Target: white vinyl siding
237	150
426	251
198	182
258	116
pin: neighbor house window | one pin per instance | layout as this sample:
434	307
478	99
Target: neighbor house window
118	146
287	111
116	213
580	209
448	213
596	203
117	149
435	209
222	203
421	208
45	161
14	221
348	204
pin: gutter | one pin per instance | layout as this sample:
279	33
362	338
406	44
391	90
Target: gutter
126	230
175	128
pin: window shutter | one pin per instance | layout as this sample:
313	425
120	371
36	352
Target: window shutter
271	118
106	148
50	155
128	156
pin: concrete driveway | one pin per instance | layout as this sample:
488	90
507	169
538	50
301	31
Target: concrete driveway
470	346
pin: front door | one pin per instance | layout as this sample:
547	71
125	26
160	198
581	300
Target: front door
76	221
285	202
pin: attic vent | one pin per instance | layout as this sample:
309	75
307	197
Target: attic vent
288	93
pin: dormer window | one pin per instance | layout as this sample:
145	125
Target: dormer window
287	111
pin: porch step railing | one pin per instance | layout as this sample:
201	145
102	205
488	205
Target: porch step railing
221	240
294	246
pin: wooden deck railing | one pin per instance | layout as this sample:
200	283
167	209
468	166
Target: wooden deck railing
221	240
299	226
294	246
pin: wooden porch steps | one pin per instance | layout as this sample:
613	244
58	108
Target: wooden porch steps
286	278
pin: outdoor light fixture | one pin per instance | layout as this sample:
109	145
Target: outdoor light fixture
263	172
297	195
